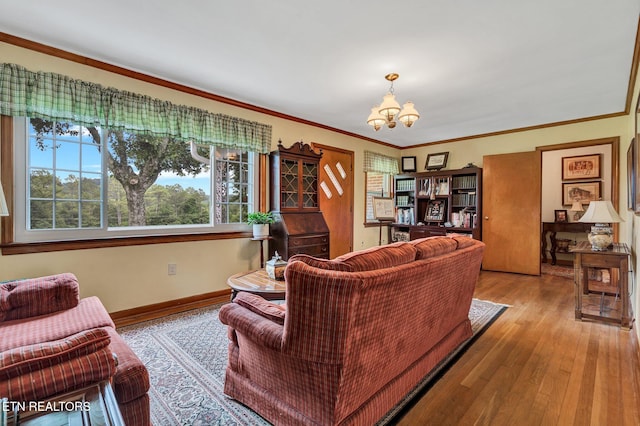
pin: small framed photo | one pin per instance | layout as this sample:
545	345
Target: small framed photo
383	208
581	167
408	164
561	216
585	192
435	211
436	161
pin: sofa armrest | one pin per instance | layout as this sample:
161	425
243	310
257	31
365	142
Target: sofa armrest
253	326
46	369
38	296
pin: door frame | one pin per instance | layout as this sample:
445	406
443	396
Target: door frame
614	141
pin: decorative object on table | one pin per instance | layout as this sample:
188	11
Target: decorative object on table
389	109
602	214
260	222
577	210
561	216
581	167
383	208
275	267
409	164
584	192
436	161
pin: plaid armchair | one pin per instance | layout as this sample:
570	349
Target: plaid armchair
52	342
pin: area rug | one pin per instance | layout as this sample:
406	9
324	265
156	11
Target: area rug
186	355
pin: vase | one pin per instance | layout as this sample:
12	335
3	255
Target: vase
260	230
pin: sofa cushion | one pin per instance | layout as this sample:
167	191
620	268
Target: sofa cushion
264	308
433	246
464	241
27	359
379	257
43	370
90	313
38	296
332	265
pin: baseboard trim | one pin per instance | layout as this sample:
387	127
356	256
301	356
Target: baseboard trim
158	310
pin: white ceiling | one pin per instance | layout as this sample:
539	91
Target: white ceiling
470	66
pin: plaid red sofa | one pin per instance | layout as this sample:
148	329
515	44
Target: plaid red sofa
358	333
53	342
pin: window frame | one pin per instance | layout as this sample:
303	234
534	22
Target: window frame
10	246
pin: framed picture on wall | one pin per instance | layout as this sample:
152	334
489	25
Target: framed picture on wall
581	167
383	208
436	161
636	155
408	164
584	192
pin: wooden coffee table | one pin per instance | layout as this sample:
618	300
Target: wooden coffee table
257	282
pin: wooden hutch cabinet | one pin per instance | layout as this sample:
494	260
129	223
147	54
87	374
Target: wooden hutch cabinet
437	203
300	227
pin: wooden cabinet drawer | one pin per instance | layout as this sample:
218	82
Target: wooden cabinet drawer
308	240
319	250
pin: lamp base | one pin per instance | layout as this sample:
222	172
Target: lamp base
600	237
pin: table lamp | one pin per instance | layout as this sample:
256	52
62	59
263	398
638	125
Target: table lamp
576	207
602	214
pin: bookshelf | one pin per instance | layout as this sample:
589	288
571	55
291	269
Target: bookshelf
437	203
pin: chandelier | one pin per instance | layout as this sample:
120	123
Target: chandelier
389	110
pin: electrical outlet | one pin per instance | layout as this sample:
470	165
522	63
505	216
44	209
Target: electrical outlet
173	269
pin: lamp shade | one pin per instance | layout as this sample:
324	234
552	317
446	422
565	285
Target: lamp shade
376	119
408	115
4	210
576	207
389	107
601	212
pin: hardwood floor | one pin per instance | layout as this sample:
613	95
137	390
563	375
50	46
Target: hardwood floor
537	365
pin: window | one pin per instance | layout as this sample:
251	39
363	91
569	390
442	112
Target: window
377	185
77	182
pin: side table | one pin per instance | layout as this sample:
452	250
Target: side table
257	282
94	405
262	240
615	257
553	228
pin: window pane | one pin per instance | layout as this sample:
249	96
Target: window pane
41	184
67	214
233	184
41	214
91	214
67	156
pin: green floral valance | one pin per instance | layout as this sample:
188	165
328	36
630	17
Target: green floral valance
58	97
374	162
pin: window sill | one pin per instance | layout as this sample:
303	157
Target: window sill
43	247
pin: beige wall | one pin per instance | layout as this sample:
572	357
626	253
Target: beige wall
135	276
